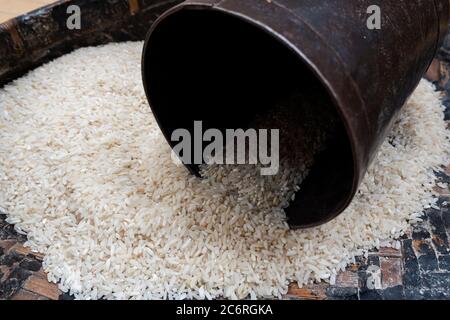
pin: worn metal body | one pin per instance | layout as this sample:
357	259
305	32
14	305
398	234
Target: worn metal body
368	74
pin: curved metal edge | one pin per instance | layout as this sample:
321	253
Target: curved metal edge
358	167
443	14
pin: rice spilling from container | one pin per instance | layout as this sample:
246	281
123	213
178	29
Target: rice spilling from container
87	175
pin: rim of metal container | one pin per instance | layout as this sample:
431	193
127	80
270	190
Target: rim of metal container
443	13
338	103
303	58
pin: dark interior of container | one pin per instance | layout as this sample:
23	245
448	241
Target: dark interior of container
210	66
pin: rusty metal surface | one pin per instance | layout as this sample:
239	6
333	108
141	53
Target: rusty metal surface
369	74
367	92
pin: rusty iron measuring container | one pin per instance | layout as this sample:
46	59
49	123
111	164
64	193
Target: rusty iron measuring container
221	61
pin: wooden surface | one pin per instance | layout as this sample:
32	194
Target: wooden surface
13	8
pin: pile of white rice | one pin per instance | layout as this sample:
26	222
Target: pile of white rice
87	175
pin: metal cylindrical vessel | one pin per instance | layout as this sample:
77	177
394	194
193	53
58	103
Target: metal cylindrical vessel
194	49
